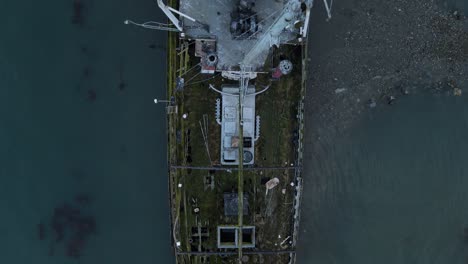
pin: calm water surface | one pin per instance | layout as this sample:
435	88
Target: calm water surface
67	127
395	190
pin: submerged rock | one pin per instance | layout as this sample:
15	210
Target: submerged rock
83	199
78	8
92	95
465	234
41	231
71	226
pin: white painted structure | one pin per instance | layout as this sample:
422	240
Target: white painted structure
230	126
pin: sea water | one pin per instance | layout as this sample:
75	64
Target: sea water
394	190
77	118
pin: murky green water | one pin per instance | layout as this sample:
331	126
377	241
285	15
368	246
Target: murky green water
394	190
57	141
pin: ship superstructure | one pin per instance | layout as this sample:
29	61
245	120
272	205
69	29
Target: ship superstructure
234	33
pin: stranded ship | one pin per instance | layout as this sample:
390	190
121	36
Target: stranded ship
235	92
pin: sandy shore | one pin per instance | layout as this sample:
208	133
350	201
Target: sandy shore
374	51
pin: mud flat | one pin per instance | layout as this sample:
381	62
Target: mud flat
373	53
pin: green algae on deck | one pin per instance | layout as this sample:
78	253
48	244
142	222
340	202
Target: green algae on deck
272	213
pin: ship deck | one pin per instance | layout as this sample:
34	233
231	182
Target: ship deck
199	184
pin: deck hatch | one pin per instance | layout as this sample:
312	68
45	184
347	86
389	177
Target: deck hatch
228	237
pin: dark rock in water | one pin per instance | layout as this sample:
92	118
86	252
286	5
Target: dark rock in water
84	49
391	100
84	226
78	8
86	72
82	199
66	212
59	230
465	234
75	247
92	95
122	85
63	215
71	226
152	46
41	231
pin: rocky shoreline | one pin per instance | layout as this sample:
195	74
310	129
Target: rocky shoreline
374	52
